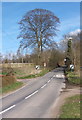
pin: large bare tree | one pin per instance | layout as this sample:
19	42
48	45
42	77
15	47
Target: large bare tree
37	29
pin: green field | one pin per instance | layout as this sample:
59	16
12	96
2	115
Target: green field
11	87
73	78
71	109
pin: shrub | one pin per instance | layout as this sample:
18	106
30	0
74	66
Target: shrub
8	77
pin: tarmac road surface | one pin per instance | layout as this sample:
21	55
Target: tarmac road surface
36	98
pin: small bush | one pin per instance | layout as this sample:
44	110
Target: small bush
8	77
8	80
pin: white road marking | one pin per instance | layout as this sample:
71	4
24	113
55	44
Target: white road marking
54	75
48	81
43	86
63	76
7	109
59	76
31	94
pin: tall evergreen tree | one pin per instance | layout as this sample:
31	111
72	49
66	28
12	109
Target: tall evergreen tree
69	56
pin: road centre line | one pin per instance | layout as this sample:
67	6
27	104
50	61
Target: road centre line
48	81
7	109
31	94
15	105
51	78
43	85
35	91
25	98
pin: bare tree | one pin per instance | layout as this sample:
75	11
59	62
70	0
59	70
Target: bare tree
37	29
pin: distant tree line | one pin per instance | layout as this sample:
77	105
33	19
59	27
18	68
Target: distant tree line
51	57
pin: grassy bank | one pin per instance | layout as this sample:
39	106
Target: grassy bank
73	78
18	70
11	87
71	109
43	72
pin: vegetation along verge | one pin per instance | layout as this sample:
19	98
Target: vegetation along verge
11	87
71	109
43	72
73	78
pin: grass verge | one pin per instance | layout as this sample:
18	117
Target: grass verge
73	78
11	87
43	72
71	109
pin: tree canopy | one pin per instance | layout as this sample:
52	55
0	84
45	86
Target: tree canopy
37	29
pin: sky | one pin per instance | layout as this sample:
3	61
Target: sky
41	0
12	12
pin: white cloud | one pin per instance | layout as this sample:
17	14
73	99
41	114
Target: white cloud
75	32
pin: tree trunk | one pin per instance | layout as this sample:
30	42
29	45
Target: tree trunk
41	42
